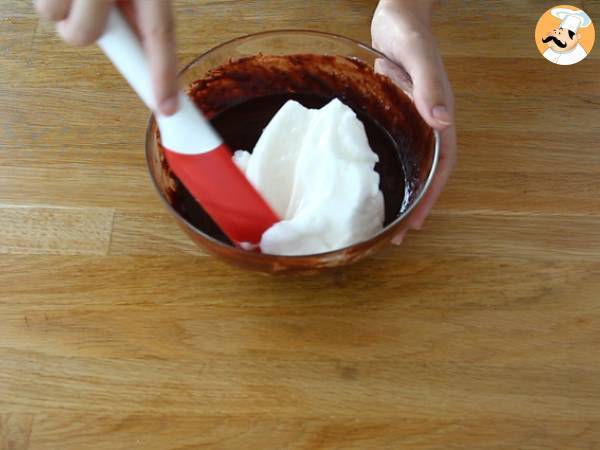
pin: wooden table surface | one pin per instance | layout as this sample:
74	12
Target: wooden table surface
482	331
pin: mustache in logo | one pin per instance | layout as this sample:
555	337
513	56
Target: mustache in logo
556	41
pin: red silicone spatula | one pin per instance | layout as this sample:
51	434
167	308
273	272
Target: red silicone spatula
196	153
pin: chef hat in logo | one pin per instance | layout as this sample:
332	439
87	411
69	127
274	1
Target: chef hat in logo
572	20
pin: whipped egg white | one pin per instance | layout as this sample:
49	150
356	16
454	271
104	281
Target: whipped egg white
317	171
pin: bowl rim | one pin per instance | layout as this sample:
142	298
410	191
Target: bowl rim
425	186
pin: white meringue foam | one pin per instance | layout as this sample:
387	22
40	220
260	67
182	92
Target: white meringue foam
316	169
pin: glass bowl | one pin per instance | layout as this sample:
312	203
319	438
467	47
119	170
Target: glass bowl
418	145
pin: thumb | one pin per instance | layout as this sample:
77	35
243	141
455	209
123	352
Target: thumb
432	91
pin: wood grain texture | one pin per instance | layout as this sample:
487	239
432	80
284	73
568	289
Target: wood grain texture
227	432
480	332
15	430
55	230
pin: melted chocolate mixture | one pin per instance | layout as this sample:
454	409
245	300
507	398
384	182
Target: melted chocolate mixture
240	98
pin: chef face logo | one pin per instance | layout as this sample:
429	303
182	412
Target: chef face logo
561	40
565	35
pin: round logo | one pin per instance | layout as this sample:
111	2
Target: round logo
565	35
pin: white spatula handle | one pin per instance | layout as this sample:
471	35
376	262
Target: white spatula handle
186	131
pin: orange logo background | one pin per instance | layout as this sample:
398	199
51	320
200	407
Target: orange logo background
548	22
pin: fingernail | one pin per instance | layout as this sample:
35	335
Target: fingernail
441	114
418	224
169	106
399	238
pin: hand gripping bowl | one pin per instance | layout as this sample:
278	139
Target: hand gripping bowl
312	65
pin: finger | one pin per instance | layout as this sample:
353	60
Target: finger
86	21
397	240
128	9
448	157
156	26
55	10
432	91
